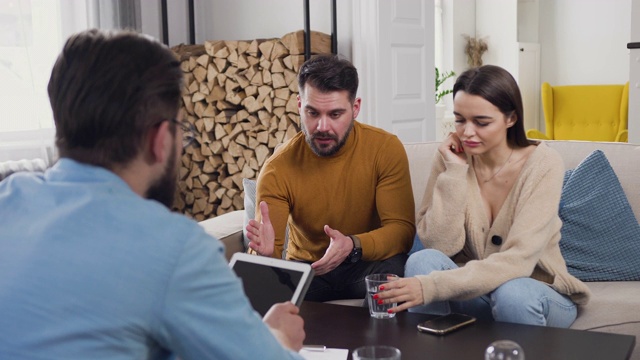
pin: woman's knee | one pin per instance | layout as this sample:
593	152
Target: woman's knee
516	290
516	302
425	261
528	301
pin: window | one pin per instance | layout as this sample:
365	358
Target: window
30	38
32	33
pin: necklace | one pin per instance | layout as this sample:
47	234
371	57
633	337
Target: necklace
501	167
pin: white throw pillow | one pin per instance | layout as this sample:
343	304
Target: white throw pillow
250	212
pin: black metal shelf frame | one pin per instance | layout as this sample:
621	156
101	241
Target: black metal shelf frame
165	22
307	30
307	26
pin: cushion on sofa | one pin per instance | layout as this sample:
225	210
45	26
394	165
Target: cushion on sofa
226	229
249	206
600	234
10	167
250	211
613	305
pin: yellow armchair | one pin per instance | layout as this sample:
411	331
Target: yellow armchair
584	112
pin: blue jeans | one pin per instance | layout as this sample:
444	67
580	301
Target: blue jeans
521	300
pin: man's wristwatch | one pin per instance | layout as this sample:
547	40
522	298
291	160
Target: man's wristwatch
356	253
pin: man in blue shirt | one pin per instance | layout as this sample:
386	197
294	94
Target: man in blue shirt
93	265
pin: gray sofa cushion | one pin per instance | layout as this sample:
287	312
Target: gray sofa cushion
613	306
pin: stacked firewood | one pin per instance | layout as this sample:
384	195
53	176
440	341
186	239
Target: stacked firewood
241	97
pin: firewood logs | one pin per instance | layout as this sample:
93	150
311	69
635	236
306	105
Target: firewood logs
241	97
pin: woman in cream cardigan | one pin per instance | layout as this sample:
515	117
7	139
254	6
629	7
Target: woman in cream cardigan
489	218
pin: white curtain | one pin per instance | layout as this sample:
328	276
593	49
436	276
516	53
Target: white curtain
32	33
28	45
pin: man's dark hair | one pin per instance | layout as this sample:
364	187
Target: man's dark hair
329	73
106	90
497	86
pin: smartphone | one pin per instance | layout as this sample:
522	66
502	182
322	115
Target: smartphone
446	323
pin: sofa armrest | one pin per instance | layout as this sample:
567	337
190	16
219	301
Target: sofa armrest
623	136
228	229
9	167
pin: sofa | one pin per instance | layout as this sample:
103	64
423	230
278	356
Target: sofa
614	306
13	166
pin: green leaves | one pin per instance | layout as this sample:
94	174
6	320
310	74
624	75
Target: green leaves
440	79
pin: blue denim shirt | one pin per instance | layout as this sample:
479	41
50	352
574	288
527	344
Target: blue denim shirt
90	270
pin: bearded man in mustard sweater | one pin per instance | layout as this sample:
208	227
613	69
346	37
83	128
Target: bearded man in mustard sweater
342	187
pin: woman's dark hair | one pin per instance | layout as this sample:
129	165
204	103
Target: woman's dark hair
329	73
107	89
497	86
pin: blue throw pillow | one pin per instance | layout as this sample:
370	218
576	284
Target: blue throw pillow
600	234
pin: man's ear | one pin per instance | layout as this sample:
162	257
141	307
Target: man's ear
356	107
159	141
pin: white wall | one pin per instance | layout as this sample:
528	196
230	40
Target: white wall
634	77
459	17
247	20
497	21
150	18
256	19
635	25
584	41
528	21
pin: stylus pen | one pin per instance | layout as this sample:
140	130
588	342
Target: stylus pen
314	347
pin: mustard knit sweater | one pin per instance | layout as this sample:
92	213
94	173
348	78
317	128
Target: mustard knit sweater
452	219
363	190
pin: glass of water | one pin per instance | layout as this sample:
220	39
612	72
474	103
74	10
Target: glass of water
504	350
376	352
379	311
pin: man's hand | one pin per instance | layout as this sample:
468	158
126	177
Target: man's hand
286	325
261	234
340	247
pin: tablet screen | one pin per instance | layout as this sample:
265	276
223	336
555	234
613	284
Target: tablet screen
266	284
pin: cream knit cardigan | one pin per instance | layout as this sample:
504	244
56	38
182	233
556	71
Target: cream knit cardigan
452	219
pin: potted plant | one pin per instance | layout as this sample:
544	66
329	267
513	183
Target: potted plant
440	79
442	128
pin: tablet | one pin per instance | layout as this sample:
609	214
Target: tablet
267	281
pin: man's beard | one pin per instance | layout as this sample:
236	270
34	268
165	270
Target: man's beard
327	150
163	189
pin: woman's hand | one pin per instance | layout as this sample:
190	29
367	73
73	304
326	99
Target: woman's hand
451	149
407	292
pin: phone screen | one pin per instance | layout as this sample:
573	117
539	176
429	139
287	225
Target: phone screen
446	323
